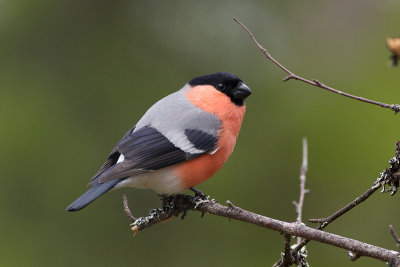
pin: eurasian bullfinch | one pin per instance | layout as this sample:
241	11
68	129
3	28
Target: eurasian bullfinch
180	142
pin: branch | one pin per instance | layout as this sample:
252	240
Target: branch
287	255
303	191
324	222
394	234
390	177
181	203
291	75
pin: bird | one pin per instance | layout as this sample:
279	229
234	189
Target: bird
181	141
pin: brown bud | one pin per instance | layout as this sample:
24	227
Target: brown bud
393	45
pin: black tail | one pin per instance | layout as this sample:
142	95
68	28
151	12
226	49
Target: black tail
93	193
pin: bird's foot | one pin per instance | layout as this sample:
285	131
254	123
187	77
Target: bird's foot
200	198
198	193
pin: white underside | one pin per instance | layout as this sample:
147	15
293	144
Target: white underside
163	181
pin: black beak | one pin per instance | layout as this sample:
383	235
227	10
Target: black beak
241	91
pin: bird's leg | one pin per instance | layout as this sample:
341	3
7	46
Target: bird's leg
198	193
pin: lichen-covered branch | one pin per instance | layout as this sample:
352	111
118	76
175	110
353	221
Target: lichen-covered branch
180	203
174	205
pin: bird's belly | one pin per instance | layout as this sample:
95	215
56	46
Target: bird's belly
163	181
196	171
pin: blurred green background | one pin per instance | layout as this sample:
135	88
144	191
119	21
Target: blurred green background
76	75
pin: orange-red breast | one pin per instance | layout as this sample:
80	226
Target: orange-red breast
180	142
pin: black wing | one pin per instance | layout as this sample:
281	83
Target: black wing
147	149
112	158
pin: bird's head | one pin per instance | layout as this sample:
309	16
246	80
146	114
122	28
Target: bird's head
227	83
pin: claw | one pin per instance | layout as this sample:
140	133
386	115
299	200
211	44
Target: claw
394	190
198	193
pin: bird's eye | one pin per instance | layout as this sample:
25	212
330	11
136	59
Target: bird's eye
221	86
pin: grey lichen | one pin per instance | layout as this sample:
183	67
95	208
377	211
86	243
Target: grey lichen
389	179
172	206
301	256
154	214
199	201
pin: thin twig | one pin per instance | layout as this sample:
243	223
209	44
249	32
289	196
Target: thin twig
303	190
291	75
326	221
186	202
394	234
286	260
126	208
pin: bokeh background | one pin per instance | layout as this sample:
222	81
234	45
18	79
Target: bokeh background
76	75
